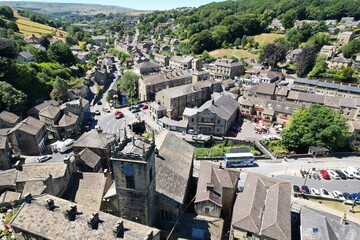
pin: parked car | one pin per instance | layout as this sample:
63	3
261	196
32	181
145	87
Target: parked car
334	175
140	105
348	174
314	191
325	174
43	158
106	110
132	107
354	171
356	196
118	114
145	107
97	112
134	110
231	134
338	194
356	175
305	189
341	174
324	192
234	129
191	131
347	196
296	189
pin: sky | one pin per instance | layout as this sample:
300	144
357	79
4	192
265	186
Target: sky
139	4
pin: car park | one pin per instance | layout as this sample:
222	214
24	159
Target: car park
305	189
338	195
334	175
324	192
341	174
348	174
43	158
314	191
296	189
325	174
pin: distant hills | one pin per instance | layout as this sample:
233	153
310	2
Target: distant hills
63	9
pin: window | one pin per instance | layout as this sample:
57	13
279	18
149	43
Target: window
192	120
130	182
151	174
249	234
163	214
207	210
202	119
217	130
218	121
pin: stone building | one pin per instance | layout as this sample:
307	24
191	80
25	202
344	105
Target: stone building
345	37
187	62
215	194
225	68
8	119
34	111
133	162
162	60
214	117
176	99
50	116
5	153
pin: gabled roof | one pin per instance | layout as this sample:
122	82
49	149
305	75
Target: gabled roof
89	157
68	119
25	54
9	117
41	172
263	208
30	125
223	106
9	196
49	111
219	178
36	219
173	168
94	139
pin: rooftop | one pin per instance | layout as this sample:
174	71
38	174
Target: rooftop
223	106
52	224
94	139
89	157
165	77
50	111
267	212
68	119
30	125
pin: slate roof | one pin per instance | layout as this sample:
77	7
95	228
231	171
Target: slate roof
68	119
223	106
50	111
43	105
187	89
263	207
89	157
36	219
156	106
30	125
147	65
219	178
90	190
9	196
3	141
324	226
36	187
25	54
94	139
174	167
9	117
41	172
165	77
8	177
333	86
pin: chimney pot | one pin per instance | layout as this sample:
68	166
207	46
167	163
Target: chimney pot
50	204
118	228
28	198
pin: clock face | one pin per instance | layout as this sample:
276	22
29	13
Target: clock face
129	169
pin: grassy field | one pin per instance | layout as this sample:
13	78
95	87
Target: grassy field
28	28
339	206
267	37
239	53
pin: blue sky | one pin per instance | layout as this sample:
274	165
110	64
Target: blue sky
139	4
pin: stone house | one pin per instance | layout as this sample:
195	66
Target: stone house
173	167
64	216
25	57
28	137
34	111
176	99
88	161
267	214
100	40
156	111
79	107
187	62
68	126
339	62
123	47
99	74
8	119
5	153
345	37
224	68
146	68
162	60
216	191
214	117
50	116
263	90
328	51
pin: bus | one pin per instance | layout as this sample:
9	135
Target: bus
238	159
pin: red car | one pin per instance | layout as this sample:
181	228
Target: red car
325	174
144	107
118	114
231	134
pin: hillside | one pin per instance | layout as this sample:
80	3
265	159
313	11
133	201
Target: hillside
62	9
28	28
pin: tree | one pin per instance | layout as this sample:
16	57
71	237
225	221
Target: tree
59	52
70	41
237	42
348	73
315	126
272	54
60	89
201	41
319	68
11	98
243	41
43	41
6	12
305	61
7	49
128	84
319	40
288	19
205	57
351	48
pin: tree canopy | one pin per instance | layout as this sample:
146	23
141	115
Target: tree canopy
306	60
11	98
315	126
61	53
128	84
272	54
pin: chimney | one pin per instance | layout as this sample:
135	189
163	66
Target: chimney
157	152
93	221
50	206
209	187
69	213
119	227
18	166
28	198
149	235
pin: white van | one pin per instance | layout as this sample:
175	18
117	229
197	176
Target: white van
67	145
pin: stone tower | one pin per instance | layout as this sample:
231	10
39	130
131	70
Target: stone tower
133	162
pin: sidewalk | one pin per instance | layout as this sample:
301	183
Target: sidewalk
349	216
